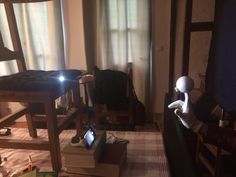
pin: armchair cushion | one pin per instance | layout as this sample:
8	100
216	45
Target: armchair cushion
111	88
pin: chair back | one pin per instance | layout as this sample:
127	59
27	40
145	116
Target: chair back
5	53
87	83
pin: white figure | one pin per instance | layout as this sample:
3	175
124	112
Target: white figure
184	85
183	109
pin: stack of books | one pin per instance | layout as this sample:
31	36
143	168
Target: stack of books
83	157
101	160
109	165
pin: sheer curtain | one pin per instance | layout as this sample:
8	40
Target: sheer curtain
40	29
123	35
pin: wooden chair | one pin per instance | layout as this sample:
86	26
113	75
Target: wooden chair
30	87
213	160
210	156
113	97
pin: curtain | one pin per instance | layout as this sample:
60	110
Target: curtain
122	36
41	34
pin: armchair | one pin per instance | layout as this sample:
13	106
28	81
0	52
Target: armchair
113	96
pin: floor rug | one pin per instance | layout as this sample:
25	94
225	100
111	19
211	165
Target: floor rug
145	154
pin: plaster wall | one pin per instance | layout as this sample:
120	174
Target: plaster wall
74	34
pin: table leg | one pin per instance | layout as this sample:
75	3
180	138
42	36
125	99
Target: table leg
53	135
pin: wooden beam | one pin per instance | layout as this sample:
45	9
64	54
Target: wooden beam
20	96
15	36
6	54
64	122
42	117
34	144
5	121
187	36
1	40
30	122
207	164
53	135
201	26
172	46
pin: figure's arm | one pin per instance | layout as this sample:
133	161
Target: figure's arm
176	104
189	120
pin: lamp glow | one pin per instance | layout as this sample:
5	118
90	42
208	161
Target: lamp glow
61	78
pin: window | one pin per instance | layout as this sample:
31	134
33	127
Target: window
126	31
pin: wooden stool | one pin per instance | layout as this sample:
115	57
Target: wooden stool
42	87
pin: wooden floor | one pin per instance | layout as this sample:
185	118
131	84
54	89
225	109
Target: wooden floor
146	154
155	126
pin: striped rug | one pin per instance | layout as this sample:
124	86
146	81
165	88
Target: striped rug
145	154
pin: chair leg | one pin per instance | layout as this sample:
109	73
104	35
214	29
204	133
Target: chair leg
78	104
98	113
218	163
199	141
31	124
53	135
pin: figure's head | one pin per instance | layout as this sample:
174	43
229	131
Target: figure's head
184	84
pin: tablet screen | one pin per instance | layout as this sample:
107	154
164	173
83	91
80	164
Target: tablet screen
89	137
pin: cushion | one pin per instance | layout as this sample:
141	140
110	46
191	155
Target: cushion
38	80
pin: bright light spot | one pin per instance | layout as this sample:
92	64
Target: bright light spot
61	78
